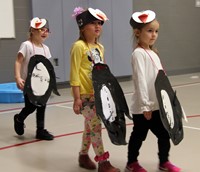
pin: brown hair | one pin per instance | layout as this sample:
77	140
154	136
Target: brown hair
82	37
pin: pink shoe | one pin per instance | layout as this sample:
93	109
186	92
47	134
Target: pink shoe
135	167
169	167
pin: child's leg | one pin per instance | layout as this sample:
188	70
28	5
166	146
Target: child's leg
19	118
27	110
92	130
163	144
84	159
138	135
92	135
163	137
86	139
41	132
40	116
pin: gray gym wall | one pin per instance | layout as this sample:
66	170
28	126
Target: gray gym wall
178	41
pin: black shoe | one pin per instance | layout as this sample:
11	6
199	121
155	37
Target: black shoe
18	126
44	135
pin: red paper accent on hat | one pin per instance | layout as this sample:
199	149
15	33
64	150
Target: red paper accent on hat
37	24
100	16
143	17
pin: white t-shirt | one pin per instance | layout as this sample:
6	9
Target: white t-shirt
145	69
29	50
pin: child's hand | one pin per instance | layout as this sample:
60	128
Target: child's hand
77	106
20	83
147	114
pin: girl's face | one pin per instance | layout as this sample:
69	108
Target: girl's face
92	31
40	35
148	35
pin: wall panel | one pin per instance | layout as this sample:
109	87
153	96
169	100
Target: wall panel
178	41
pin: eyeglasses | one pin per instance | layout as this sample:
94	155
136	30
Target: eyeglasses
44	30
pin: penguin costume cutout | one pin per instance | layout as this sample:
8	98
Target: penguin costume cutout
41	80
110	103
171	112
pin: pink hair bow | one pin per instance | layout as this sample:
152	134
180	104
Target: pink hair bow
77	11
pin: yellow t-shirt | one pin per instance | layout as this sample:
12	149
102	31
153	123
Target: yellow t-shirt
83	57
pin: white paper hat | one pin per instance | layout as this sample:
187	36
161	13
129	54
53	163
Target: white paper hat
89	16
144	16
98	14
38	23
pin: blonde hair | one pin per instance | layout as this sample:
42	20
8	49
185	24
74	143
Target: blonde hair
140	26
30	33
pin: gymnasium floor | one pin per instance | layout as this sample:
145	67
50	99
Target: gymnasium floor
26	154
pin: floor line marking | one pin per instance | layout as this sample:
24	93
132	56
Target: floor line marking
67	134
193	128
186	85
67	107
4	111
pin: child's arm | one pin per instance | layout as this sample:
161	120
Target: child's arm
77	100
19	81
